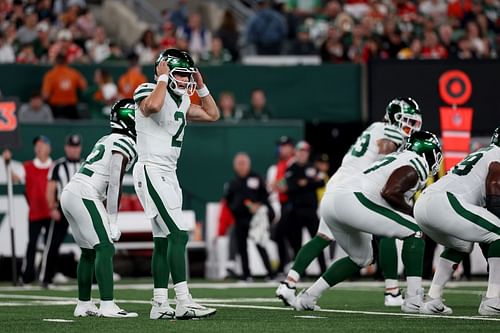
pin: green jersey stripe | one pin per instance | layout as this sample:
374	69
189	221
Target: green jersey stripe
394	138
389	213
124	150
96	221
426	173
468	215
419	171
143	91
395	131
141	95
128	145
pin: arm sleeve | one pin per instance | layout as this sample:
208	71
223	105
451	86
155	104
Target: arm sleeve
53	172
143	91
113	193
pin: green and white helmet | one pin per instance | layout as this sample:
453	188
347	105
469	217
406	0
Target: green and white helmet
179	63
495	139
122	117
428	146
404	113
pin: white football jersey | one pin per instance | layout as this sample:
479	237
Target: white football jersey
466	180
94	172
372	180
159	136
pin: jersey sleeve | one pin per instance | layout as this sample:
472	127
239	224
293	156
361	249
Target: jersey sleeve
143	91
53	173
125	146
392	133
420	165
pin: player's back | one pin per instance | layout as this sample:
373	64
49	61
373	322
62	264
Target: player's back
466	180
94	173
160	135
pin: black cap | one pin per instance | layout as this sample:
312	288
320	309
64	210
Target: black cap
73	140
42	138
285	140
322	158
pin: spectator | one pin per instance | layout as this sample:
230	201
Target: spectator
11	35
98	47
217	55
107	92
86	23
303	44
432	48
132	78
6	51
258	106
228	33
478	43
179	16
44	11
436	9
414	51
245	195
36	172
227	106
168	39
36	111
27	33
116	53
199	38
65	46
322	164
332	49
147	49
27	55
445	36
464	50
42	44
16	15
266	29
60	88
304	8
370	50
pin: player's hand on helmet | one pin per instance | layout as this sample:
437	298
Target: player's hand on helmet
114	232
162	68
198	79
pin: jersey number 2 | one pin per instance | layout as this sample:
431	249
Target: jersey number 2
175	139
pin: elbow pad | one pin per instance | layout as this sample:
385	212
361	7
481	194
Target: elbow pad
493	204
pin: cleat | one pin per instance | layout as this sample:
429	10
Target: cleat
189	309
161	310
412	303
393	300
490	306
434	306
86	309
305	302
286	293
111	310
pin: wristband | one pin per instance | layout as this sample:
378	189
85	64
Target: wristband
163	78
203	92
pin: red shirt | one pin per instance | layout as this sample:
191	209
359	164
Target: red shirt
281	167
36	188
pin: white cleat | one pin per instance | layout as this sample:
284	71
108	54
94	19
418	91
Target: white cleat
286	293
161	310
412	303
393	300
86	309
189	309
305	302
111	310
490	306
435	306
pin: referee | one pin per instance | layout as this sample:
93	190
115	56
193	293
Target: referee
59	175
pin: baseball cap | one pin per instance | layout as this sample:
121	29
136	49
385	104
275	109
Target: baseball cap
303	145
73	140
285	140
42	138
322	158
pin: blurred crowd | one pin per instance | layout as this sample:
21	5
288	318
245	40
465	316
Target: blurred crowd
36	31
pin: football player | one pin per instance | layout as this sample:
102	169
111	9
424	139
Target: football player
378	201
162	111
90	203
402	118
452	212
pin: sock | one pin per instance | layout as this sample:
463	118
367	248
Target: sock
318	287
105	304
160	295
104	270
414	285
85	274
310	251
494	273
447	263
340	270
176	255
181	291
388	258
159	263
392	286
292	278
413	256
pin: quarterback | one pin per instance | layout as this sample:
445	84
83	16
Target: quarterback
162	111
461	208
380	203
402	118
92	222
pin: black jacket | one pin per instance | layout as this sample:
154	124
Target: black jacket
303	196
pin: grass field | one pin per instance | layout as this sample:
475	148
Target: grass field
350	307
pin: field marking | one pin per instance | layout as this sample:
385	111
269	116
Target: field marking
59	320
310	317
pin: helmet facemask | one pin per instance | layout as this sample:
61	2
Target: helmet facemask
495	139
434	158
408	123
181	87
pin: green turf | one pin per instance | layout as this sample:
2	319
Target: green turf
29	318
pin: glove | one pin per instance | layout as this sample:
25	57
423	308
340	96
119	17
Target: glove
114	232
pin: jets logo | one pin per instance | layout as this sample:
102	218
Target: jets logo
8	120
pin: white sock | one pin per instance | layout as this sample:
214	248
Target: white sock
443	274
105	304
493	278
160	295
292	278
392	286
414	285
84	303
318	287
181	291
